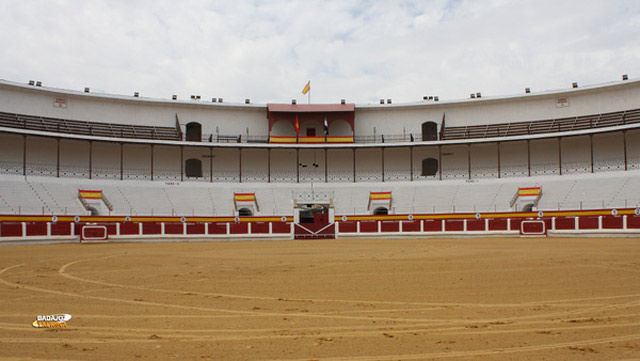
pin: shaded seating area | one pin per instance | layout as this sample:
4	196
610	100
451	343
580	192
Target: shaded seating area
542	126
66	126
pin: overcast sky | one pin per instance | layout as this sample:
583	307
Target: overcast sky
358	50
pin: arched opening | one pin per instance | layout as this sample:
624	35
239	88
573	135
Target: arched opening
429	131
94	211
429	167
245	212
528	207
381	211
193	168
194	132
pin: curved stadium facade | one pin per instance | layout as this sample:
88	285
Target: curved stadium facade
74	164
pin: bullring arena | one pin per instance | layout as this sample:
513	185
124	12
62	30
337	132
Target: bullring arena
493	228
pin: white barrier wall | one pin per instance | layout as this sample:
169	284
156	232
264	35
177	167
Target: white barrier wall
484	161
255	165
251	120
11	148
106	160
368	165
42	156
283	165
74	159
397	164
455	162
544	157
633	149
576	155
608	152
340	165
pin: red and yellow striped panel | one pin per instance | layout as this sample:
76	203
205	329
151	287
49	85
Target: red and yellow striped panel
244	197
87	194
380	195
531	191
282	140
338	139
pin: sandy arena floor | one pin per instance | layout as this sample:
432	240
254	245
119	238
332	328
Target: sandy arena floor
454	299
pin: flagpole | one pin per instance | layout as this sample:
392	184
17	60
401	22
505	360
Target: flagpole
309	96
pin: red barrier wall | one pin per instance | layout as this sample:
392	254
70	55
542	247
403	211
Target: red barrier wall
195	228
128	228
475	225
390	226
588	223
411	226
368	226
454	225
260	227
611	222
11	230
281	227
565	223
347	227
432	225
497	224
36	229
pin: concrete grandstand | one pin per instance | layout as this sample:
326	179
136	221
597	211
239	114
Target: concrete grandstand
171	168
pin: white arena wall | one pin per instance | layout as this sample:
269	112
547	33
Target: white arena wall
250	120
41	171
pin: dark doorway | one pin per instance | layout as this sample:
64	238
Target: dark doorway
194	132
527	207
193	168
381	211
429	167
429	131
311	132
245	212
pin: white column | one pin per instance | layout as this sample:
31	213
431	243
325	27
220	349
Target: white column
357	227
379	226
184	228
600	222
249	228
624	222
49	229
553	223
206	229
228	228
140	231
577	223
464	225
162	228
508	224
400	226
118	229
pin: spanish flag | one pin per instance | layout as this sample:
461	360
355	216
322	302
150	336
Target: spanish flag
89	194
244	197
306	88
297	125
379	195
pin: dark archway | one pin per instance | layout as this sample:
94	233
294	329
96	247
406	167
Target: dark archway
193	168
194	132
381	211
429	167
245	212
429	131
527	207
94	211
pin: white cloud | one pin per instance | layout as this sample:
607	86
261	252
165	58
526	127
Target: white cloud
358	50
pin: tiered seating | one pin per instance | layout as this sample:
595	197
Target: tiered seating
542	126
56	125
145	198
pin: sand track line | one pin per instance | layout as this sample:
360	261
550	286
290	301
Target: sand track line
476	353
63	272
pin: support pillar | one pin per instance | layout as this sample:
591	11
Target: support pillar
181	163
58	158
90	159
529	157
411	164
240	164
382	158
499	175
354	165
151	162
560	155
121	161
24	155
591	146
440	161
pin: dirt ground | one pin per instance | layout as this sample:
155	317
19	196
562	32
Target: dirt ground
365	299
